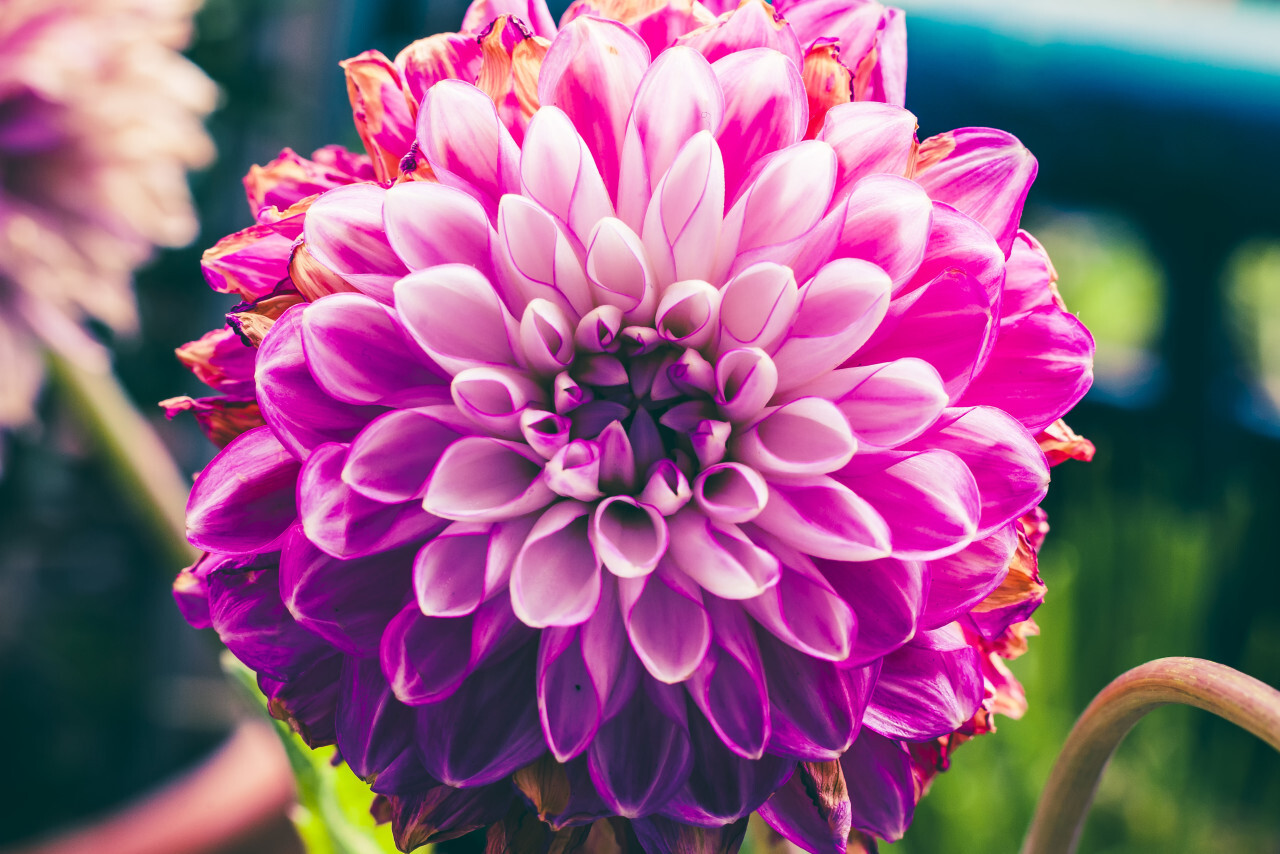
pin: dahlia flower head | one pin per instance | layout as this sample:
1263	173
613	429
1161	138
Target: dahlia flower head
100	118
646	431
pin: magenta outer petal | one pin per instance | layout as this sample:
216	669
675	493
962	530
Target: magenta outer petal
592	71
959	242
805	612
928	688
466	143
882	792
765	110
960	581
453	312
534	13
1040	367
751	25
348	603
244	498
868	137
887	222
479	479
344	232
485	731
390	459
986	174
293	404
816	707
1029	278
358	353
886	595
636	783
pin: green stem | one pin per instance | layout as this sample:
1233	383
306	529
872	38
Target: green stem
1227	693
134	455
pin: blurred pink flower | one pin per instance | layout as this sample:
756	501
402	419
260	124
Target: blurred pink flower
100	118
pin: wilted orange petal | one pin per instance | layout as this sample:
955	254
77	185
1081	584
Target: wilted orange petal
1060	443
312	279
220	418
252	321
512	57
383	116
1020	585
826	81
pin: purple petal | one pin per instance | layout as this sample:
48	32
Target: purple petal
638	782
960	581
887	596
886	404
250	618
630	538
666	623
881	786
812	809
730	492
373	727
804	437
536	259
816	707
344	232
568	703
824	518
928	688
556	578
390	460
449	571
453	312
746	379
348	603
479	479
244	498
805	612
619	271
496	398
660	835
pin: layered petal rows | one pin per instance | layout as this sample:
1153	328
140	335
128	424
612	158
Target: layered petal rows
646	430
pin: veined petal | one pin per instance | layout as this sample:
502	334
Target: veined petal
390	459
684	216
480	479
558	171
569	705
678	98
822	517
536	259
804	437
869	137
765	110
729	686
636	783
466	144
982	172
720	557
757	307
928	688
887	221
805	612
885	404
430	224
666	622
619	271
592	72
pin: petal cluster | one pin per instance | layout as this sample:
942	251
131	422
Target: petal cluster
640	431
100	117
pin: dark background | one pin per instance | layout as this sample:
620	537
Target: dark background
1155	198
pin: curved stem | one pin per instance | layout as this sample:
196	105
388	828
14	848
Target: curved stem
1227	693
132	451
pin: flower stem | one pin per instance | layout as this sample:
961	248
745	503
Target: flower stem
134	455
1216	688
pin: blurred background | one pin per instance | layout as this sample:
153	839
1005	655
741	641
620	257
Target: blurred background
1157	126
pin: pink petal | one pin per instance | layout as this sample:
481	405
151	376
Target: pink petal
666	623
678	98
730	492
449	571
684	217
358	352
569	705
779	204
619	271
479	479
390	460
556	578
957	241
745	380
533	13
869	35
720	557
629	537
765	110
429	224
344	232
454	314
244	498
545	432
804	437
753	24
887	222
496	398
803	611
443	56
757	307
928	688
885	404
688	313
559	173
592	71
839	310
888	598
536	259
982	172
574	471
821	517
928	499
546	338
960	581
868	137
667	489
466	143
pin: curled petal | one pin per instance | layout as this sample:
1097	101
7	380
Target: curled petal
667	489
443	56
574	470
556	577
688	312
479	479
543	431
666	623
629	537
559	173
344	231
546	338
720	557
730	492
619	271
430	224
745	380
765	110
684	216
495	398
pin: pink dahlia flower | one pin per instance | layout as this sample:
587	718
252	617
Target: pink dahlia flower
638	451
99	121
